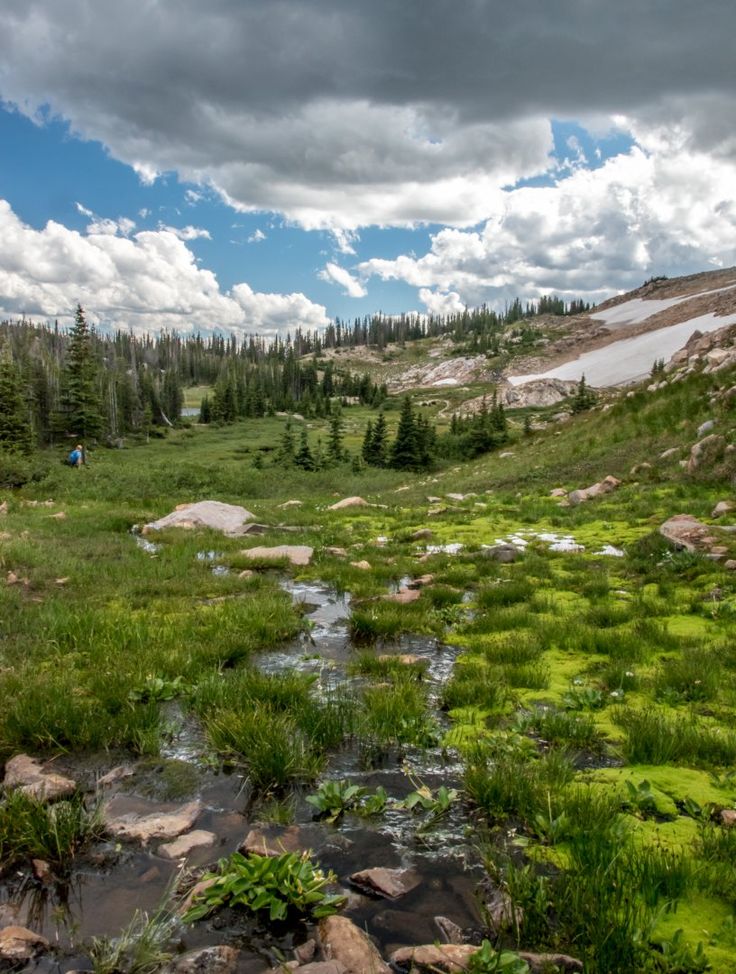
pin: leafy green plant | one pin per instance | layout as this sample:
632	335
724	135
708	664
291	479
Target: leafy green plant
437	805
678	957
487	960
583	698
157	688
640	797
333	798
276	884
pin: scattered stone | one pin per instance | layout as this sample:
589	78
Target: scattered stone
435	511
337	552
29	776
255	528
561	417
62	581
11	579
505	455
406	659
18	944
541	963
180	848
41	870
558	492
421	581
306	952
348	502
324	967
389	883
728	817
668	454
246	573
404	596
363	565
4	508
705	427
116	774
639	468
450	932
434	500
730	565
423	534
228	518
721	508
293	503
450	958
708	448
296	554
505	554
686	531
143	828
501	913
604	486
219	959
59	516
456	497
273	840
344	942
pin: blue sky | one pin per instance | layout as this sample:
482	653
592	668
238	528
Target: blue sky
194	189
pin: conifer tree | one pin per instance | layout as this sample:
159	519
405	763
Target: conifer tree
80	399
304	458
379	445
285	453
584	397
405	452
366	449
15	427
335	451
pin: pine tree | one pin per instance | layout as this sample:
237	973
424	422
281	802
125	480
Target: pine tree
285	455
379	445
367	447
15	427
304	458
584	397
172	396
80	400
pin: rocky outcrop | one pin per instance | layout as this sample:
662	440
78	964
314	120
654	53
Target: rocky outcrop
686	531
29	776
538	392
706	451
228	518
342	941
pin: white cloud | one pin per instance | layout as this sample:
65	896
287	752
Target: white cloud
145	282
257	236
335	274
83	210
344	240
187	233
103	225
595	232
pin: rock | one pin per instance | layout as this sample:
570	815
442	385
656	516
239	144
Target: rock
404	596
436	511
708	448
324	967
604	486
705	427
11	579
505	554
116	774
450	932
363	565
423	534
451	958
728	817
456	497
406	659
246	573
293	503
59	516
306	952
18	944
730	565
389	883
501	913
4	508
344	942
181	847
29	776
348	502
219	959
561	417
639	468
721	508
228	518
337	552
668	454
296	554
41	870
505	455
273	840
194	892
143	828
558	492
421	581
541	963
254	528
686	531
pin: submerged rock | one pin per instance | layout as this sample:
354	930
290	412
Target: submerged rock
181	847
228	518
389	883
273	840
541	963
450	958
29	776
219	959
342	941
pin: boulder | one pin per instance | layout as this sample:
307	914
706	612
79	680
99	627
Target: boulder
306	952
118	773
450	932
404	596
669	454
558	492
721	508
604	486
180	848
449	958
228	518
342	941
505	554
728	817
686	531
705	427
423	534
296	554
709	448
219	959
292	503
143	828
363	565
541	963
348	502
19	945
389	883
501	913
29	776
323	967
421	581
336	551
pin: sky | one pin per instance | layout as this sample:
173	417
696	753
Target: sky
257	166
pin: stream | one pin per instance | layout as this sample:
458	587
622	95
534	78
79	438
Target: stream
103	892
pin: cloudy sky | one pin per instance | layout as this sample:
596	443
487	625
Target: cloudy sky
257	165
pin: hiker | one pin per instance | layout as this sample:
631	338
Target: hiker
76	457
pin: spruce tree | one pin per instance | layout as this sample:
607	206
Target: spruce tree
405	452
15	426
584	397
366	450
80	399
304	458
379	445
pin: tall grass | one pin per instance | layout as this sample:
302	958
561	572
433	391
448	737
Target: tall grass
653	737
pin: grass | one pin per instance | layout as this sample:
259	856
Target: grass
655	737
57	834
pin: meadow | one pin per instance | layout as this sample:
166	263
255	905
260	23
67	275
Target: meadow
588	711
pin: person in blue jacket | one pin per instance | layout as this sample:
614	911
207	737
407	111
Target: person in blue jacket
76	457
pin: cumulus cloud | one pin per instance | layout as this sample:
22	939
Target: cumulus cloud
187	233
146	281
341	114
591	234
335	274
